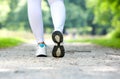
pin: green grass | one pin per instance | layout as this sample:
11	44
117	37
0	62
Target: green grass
9	42
107	42
13	38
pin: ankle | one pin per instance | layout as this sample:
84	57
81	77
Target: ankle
41	43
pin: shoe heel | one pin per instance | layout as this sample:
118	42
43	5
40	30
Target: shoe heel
58	51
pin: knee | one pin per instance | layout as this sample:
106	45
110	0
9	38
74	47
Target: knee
52	1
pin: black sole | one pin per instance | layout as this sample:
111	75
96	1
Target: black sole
58	50
42	56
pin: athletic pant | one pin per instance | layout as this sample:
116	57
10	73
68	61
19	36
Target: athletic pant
57	9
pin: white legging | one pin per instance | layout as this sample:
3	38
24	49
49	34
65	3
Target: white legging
35	17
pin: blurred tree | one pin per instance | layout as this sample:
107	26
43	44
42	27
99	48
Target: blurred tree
11	15
80	3
90	19
4	10
99	15
76	13
46	15
107	14
115	9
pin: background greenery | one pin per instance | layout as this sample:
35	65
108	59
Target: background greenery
84	17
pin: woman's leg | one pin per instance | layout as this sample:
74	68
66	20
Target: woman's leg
58	14
35	19
36	23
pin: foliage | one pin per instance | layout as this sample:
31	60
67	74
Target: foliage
102	16
115	34
76	15
107	14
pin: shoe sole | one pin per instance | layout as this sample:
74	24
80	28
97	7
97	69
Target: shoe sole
58	50
41	56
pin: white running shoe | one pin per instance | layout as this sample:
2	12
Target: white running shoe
41	51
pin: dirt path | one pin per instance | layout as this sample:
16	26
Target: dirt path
82	61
